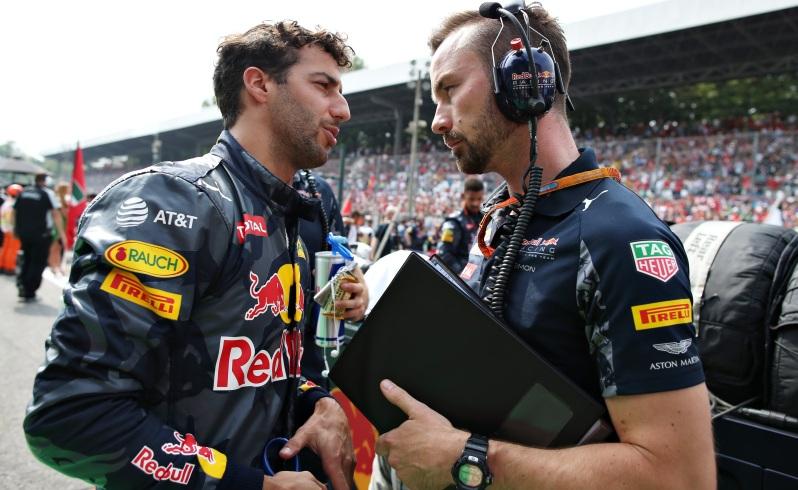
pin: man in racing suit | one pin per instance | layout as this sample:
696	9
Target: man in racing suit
177	356
459	230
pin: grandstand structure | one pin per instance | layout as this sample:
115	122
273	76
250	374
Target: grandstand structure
668	44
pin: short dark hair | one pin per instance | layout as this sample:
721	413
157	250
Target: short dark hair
40	179
473	184
486	30
274	48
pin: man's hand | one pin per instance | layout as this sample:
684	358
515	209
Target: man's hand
327	433
355	306
291	480
424	448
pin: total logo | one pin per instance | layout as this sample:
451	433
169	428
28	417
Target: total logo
238	365
274	294
251	225
146	258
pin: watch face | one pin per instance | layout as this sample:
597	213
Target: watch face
470	475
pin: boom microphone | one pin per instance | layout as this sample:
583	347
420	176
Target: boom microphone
490	10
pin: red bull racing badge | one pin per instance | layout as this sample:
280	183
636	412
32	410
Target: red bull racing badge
273	296
654	258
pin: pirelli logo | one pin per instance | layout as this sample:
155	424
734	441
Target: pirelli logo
662	314
128	287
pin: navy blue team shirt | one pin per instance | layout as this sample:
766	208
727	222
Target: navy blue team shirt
601	289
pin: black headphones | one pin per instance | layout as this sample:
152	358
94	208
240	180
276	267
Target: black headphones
524	90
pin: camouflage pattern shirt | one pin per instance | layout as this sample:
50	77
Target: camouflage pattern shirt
177	355
601	289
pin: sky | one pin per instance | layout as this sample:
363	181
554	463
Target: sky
86	69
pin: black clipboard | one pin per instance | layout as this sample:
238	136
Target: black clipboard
445	348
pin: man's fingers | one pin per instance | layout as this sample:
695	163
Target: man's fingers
381	448
336	474
294	445
402	399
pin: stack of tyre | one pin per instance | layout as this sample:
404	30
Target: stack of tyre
745	292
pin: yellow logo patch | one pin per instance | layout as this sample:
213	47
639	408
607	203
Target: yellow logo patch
146	258
128	287
662	314
215	465
447	236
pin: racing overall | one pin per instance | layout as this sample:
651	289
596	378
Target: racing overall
177	355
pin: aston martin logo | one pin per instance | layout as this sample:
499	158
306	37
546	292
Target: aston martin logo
679	347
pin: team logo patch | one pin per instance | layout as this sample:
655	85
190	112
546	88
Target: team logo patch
447	235
251	225
662	314
240	365
273	295
128	287
146	462
171	218
132	212
674	348
146	258
654	258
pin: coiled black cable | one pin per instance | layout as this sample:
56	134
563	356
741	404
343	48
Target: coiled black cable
517	221
325	222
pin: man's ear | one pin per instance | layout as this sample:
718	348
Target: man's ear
257	84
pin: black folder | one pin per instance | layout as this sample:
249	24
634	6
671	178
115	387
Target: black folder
433	337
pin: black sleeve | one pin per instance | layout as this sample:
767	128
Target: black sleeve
449	243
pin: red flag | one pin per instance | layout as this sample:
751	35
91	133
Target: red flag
346	208
78	203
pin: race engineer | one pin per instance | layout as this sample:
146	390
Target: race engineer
459	229
600	286
177	356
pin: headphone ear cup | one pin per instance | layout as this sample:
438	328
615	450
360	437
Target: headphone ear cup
504	102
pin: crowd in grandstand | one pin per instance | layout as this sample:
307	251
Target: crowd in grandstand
735	169
732	171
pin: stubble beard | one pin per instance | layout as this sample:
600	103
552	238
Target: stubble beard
490	131
296	133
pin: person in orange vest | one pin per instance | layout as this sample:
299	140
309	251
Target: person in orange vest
10	248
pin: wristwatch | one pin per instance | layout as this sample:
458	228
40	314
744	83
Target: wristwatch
470	471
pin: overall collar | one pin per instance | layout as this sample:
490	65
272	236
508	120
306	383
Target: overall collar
260	181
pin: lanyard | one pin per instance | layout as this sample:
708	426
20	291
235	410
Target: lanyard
553	186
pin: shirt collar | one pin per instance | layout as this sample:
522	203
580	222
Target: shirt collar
259	180
563	201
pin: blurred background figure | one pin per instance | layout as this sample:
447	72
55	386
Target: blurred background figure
56	255
460	229
35	214
10	248
387	238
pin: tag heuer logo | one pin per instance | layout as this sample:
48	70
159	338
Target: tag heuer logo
654	258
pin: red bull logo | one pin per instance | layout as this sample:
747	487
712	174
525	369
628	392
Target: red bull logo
541	242
145	461
238	365
187	446
274	295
